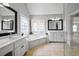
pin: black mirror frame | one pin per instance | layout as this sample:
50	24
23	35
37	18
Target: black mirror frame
4	34
56	20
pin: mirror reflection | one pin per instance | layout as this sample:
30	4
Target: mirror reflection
7	19
7	25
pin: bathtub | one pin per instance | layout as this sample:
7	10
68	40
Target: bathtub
36	40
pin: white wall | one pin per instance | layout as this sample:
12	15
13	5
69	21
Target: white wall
21	9
24	25
38	24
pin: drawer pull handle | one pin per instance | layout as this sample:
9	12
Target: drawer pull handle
22	46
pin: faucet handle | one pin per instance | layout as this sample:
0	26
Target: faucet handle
46	33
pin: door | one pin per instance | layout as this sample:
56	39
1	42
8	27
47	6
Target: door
75	36
75	30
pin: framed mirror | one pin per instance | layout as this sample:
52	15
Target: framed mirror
55	24
8	20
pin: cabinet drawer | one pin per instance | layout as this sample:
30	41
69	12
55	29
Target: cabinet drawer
20	48
19	42
6	49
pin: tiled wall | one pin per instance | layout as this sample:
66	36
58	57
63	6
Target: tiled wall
24	25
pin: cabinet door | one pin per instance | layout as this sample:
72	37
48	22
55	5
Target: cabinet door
18	51
6	49
20	48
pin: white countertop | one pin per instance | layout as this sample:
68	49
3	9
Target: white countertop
4	42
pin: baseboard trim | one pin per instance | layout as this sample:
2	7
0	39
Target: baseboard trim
57	42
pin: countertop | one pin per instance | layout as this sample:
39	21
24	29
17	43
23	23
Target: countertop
6	41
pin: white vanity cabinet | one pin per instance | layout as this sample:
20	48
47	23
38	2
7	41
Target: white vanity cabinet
20	47
15	46
6	50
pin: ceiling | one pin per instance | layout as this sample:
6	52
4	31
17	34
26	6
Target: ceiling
45	8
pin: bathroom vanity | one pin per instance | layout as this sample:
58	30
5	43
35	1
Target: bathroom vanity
18	45
15	46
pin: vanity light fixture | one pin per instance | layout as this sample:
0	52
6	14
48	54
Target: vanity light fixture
55	18
7	19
